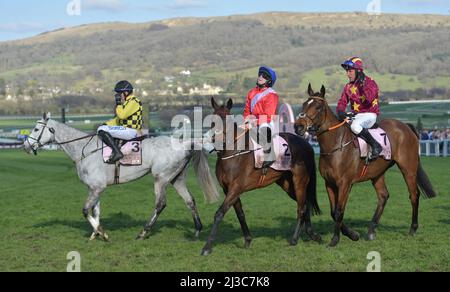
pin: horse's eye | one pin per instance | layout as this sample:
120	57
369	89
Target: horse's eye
36	129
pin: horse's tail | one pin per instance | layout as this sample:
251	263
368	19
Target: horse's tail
311	196
425	184
422	178
204	177
413	128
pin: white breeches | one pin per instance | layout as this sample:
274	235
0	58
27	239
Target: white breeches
363	121
119	132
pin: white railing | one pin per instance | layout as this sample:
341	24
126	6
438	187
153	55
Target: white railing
435	148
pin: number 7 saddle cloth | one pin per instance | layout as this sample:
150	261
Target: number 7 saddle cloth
382	138
282	152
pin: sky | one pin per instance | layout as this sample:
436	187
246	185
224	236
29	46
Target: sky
26	18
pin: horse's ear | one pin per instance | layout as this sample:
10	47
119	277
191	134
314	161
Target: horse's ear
323	92
230	104
310	90
214	103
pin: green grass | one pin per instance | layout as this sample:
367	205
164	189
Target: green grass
41	222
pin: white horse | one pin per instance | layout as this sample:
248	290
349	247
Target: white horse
165	158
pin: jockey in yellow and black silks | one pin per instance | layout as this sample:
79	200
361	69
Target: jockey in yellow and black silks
127	122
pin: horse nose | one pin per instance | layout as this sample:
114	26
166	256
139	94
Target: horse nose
299	129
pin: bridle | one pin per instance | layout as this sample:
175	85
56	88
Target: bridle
318	114
52	131
38	140
312	119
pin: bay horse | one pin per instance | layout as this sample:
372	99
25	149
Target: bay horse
164	157
342	167
237	174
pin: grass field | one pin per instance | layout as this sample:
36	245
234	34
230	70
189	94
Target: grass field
41	222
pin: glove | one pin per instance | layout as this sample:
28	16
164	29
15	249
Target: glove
118	99
341	116
360	78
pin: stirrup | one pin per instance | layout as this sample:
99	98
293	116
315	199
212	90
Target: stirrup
110	161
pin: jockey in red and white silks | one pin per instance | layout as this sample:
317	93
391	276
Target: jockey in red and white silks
262	104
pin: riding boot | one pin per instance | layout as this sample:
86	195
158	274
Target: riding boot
108	140
265	139
376	147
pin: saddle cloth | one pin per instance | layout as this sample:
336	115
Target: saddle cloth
382	138
282	152
132	151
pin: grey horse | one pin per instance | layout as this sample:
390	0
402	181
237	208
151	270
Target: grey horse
166	158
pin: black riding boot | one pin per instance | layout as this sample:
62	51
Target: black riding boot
108	140
376	147
265	139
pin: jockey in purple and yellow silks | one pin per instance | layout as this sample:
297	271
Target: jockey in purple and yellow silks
362	94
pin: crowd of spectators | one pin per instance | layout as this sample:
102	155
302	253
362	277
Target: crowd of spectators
438	135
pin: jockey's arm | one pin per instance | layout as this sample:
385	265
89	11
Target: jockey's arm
247	107
112	122
370	91
125	112
343	101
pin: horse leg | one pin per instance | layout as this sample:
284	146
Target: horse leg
180	186
338	216
91	212
410	176
300	181
287	186
229	201
383	196
241	216
161	203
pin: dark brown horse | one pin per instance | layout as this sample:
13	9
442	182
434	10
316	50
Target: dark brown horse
237	174
342	167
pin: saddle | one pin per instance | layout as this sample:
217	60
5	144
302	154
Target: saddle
283	155
131	149
381	137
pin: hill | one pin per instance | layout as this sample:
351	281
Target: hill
225	52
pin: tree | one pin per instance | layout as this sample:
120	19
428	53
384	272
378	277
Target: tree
419	125
2	87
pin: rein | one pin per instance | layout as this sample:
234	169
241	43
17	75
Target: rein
52	130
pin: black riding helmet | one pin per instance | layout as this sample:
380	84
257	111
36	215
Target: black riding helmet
123	86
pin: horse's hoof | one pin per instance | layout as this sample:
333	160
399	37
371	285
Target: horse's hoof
334	242
412	232
247	243
105	237
141	236
354	236
206	252
316	237
371	236
93	236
